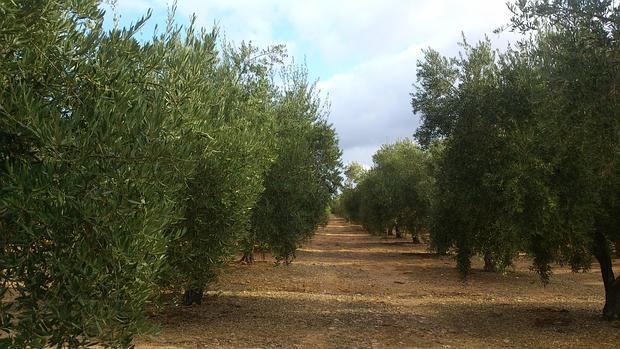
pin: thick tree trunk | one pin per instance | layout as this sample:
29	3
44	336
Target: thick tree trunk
489	263
611	310
193	295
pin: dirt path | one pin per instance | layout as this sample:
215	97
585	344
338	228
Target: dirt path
347	289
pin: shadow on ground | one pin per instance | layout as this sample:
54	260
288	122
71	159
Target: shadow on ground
351	290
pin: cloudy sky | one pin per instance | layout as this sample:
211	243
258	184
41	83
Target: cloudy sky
363	53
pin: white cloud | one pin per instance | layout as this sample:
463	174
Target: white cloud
342	29
357	153
370	103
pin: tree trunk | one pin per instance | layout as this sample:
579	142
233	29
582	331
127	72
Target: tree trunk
399	234
611	310
248	257
389	232
489	263
193	295
415	237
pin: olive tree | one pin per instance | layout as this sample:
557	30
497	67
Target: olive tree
395	194
86	132
531	137
347	203
301	182
576	50
127	168
233	116
474	118
405	168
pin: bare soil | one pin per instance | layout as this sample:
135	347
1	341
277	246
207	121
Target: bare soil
347	289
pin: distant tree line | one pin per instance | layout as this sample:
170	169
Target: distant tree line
394	195
523	145
133	168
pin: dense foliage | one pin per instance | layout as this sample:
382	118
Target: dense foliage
346	204
235	130
302	180
132	168
531	142
480	162
520	149
395	194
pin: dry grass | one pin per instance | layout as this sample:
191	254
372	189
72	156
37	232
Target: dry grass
350	290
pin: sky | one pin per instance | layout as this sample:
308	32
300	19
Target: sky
362	53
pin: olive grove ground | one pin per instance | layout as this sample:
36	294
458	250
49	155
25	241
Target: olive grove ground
347	289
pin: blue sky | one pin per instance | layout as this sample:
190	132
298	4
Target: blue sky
362	53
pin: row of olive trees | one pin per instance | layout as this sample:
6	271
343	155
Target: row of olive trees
525	144
129	169
394	195
531	158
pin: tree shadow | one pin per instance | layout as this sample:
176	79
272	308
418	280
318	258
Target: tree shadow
357	254
423	255
535	325
277	319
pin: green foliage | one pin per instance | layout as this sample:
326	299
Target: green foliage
233	119
301	182
85	134
395	193
575	59
347	203
129	168
353	173
531	141
481	123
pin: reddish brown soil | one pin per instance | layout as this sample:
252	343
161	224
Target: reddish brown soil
347	289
